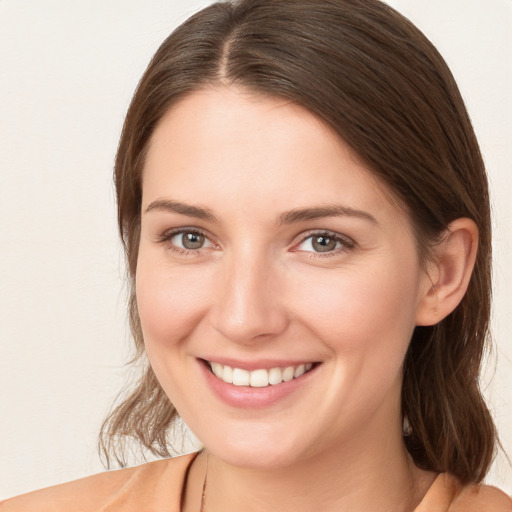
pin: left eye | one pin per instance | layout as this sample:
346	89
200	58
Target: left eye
322	243
190	240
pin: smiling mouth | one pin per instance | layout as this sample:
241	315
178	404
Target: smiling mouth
258	378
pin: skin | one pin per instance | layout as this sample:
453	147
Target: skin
258	290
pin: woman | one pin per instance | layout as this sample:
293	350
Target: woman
305	215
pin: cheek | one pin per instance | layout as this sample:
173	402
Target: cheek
169	302
354	310
365	320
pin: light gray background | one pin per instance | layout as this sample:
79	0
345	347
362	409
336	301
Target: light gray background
67	72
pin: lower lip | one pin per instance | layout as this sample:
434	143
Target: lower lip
247	397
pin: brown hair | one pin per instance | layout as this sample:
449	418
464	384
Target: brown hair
377	80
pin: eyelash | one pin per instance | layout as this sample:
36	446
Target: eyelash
166	238
346	242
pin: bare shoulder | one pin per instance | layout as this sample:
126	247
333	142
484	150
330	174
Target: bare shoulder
121	490
481	498
447	494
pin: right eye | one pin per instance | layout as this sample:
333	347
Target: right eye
189	240
186	241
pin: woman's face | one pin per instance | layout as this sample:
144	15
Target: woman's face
270	254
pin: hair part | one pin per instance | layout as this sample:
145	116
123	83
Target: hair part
383	87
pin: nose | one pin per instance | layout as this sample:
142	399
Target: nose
250	305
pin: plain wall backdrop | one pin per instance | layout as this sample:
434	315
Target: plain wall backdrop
67	73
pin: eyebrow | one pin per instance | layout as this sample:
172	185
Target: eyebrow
290	217
169	205
303	214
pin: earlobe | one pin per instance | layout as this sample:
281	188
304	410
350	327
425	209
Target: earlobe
449	273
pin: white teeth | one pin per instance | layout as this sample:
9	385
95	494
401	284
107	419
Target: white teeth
275	376
258	378
241	377
227	374
300	370
288	373
217	369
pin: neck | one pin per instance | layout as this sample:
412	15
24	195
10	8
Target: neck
376	475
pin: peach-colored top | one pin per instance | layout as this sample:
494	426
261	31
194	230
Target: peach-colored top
157	487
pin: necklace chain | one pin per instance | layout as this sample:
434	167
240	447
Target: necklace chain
203	494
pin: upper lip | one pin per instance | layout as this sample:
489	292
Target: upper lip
257	364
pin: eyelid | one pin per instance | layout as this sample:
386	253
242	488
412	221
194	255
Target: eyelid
168	235
347	242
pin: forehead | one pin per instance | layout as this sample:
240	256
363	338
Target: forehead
226	144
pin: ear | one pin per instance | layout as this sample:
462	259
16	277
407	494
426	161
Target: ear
449	273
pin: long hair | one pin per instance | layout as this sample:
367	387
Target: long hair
377	80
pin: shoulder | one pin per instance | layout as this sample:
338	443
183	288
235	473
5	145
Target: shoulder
447	494
481	498
134	489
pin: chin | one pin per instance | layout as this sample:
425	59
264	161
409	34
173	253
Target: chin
260	449
255	458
